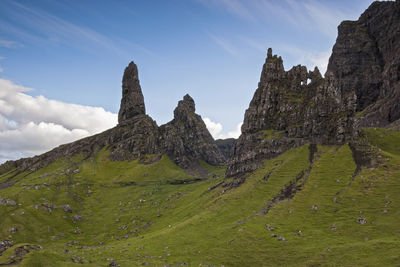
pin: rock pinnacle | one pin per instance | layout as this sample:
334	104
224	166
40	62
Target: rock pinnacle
132	102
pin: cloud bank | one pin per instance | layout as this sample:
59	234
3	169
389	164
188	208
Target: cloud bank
32	125
216	130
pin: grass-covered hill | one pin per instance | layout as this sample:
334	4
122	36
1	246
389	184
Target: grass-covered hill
307	207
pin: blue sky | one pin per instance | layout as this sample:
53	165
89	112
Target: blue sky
75	51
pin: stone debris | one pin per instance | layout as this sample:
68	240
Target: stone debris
8	202
13	230
4	245
113	263
269	228
362	220
77	218
66	208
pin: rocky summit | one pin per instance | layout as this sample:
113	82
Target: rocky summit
186	138
289	109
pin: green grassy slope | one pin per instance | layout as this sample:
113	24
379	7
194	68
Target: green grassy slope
156	214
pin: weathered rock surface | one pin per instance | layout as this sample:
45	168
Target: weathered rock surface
186	138
4	245
366	59
226	146
289	109
132	102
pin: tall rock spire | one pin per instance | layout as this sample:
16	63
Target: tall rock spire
132	102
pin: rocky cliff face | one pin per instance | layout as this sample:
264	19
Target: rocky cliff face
185	139
366	59
226	146
288	109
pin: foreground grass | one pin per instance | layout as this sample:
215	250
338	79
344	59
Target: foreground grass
156	214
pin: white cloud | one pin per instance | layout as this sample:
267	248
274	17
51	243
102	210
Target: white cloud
215	129
37	138
32	125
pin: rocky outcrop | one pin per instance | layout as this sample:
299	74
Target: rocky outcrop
226	146
288	109
132	102
366	59
186	138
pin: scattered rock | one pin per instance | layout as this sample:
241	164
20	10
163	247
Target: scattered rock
4	245
66	208
77	231
77	218
269	228
78	259
362	220
113	263
13	230
8	202
71	243
281	238
19	254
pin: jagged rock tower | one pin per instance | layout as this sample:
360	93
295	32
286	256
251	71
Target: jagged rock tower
132	102
288	109
186	138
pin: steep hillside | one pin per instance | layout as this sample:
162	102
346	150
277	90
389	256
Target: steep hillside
307	206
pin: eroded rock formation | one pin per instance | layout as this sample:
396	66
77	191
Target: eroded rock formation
366	59
185	139
132	102
288	109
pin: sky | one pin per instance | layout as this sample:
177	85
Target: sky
61	62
